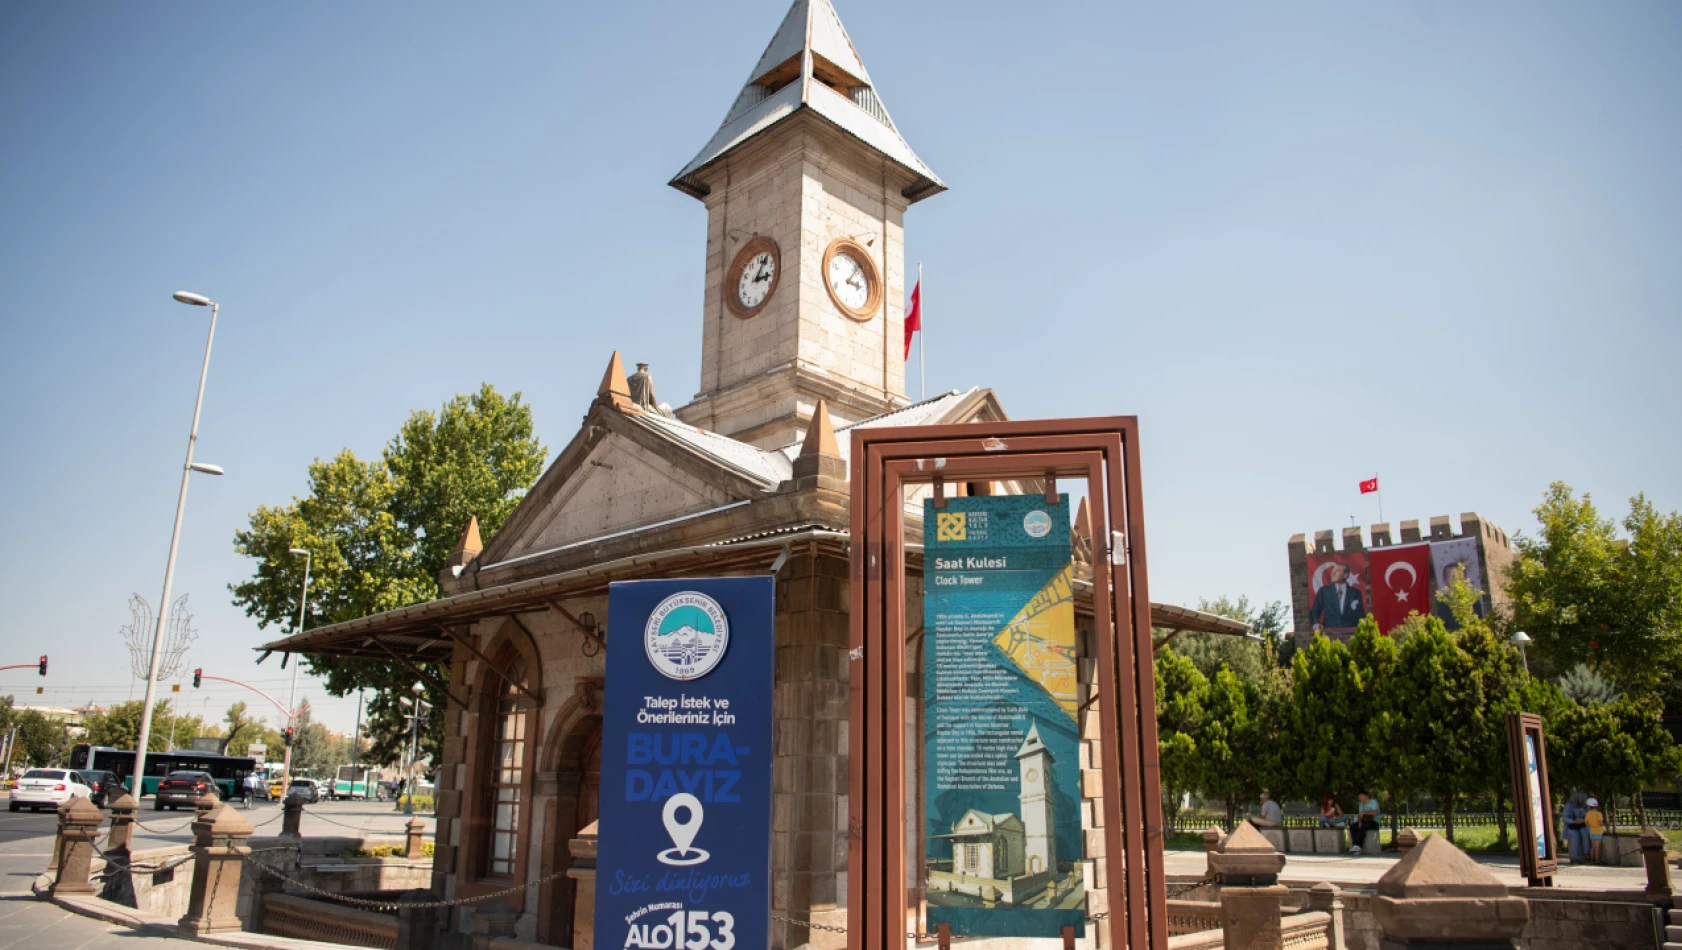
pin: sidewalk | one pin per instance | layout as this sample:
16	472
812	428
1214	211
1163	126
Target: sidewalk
26	921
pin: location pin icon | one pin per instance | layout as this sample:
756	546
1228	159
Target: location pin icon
683	833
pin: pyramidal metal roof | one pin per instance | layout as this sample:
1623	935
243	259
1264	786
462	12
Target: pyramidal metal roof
811	63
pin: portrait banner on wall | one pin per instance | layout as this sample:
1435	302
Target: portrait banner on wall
1001	696
1401	583
1337	590
1446	557
684	860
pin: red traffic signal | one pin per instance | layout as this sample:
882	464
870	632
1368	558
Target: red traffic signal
197	676
287	736
42	669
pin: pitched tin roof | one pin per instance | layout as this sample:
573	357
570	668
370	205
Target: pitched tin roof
811	63
925	412
768	468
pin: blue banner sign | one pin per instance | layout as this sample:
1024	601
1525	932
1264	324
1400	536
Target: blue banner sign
1001	692
684	854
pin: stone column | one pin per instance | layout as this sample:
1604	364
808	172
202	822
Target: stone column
79	823
412	846
417	927
491	921
63	810
1325	896
583	871
1406	841
1436	896
218	859
292	815
1212	837
1653	855
1251	894
119	885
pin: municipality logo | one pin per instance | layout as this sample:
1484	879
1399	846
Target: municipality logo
686	636
1037	524
951	526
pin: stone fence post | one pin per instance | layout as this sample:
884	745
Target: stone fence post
119	885
58	840
1436	896
415	830
79	824
1325	897
491	921
417	927
1212	838
1406	841
218	859
1251	894
583	871
292	817
1653	855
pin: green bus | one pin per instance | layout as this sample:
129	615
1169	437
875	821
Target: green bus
357	781
229	771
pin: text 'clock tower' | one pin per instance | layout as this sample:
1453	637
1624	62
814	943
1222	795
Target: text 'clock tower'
806	185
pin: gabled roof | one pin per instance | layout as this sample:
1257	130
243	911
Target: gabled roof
932	410
811	64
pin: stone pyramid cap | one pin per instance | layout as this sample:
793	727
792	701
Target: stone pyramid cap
469	545
820	434
225	821
615	387
80	811
1247	840
1083	521
1436	868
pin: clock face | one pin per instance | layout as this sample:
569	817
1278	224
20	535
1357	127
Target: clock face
849	281
756	279
1033	775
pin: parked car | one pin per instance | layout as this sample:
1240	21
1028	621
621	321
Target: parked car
306	789
105	785
47	788
182	788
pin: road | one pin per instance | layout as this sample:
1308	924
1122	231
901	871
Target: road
26	843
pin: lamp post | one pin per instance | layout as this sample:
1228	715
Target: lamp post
1520	640
187	469
414	746
292	700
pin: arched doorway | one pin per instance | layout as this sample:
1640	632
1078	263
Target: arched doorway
574	761
590	778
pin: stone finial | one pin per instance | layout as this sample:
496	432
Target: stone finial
819	464
1212	837
820	434
1407	840
414	831
1653	855
615	389
1247	859
469	546
1437	894
292	817
79	823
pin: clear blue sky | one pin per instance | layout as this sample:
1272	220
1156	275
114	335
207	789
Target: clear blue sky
1302	242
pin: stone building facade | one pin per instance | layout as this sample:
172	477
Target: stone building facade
748	478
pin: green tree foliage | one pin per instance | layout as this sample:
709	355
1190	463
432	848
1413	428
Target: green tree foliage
1231	747
238	722
119	726
1582	685
1589	596
1253	662
315	748
39	741
1325	727
1500	670
1181	693
1436	712
380	531
1612	749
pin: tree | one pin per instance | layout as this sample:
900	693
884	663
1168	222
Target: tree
1613	749
1231	745
119	726
39	741
1499	668
1325	726
1435	713
1588	596
237	722
314	747
1582	685
380	531
1251	661
1181	692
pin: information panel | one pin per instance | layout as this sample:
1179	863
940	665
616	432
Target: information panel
1001	695
684	859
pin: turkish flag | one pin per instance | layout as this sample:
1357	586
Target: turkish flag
914	316
1367	487
1400	583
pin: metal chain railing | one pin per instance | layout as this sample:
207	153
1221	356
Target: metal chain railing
1175	890
397	905
809	924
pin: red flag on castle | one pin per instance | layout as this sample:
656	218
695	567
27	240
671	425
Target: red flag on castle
914	316
1367	487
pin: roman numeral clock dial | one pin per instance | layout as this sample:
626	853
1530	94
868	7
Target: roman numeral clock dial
850	274
754	275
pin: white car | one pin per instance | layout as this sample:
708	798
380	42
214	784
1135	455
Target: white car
47	788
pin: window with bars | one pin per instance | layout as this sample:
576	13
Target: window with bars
972	857
507	774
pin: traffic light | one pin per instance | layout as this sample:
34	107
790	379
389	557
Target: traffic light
198	675
42	669
287	736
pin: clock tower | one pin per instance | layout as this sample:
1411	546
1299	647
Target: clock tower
806	184
1039	808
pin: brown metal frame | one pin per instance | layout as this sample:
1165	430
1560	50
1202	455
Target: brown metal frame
1519	725
1104	452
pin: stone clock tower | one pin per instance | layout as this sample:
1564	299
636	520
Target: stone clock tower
1039	807
806	185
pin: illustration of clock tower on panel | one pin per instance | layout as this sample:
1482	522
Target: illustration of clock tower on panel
806	185
1038	797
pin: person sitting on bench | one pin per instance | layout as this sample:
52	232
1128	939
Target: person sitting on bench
1366	819
1272	816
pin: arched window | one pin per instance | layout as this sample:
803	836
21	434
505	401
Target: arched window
507	774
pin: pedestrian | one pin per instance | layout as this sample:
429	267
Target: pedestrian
1331	816
248	788
1366	820
1272	816
1597	827
1575	818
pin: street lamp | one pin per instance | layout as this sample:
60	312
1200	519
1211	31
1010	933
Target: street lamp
1520	640
414	744
187	470
292	700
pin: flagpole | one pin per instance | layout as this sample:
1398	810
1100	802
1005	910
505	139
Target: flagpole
1378	489
922	341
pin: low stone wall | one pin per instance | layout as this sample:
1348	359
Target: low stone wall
156	882
1606	920
286	915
